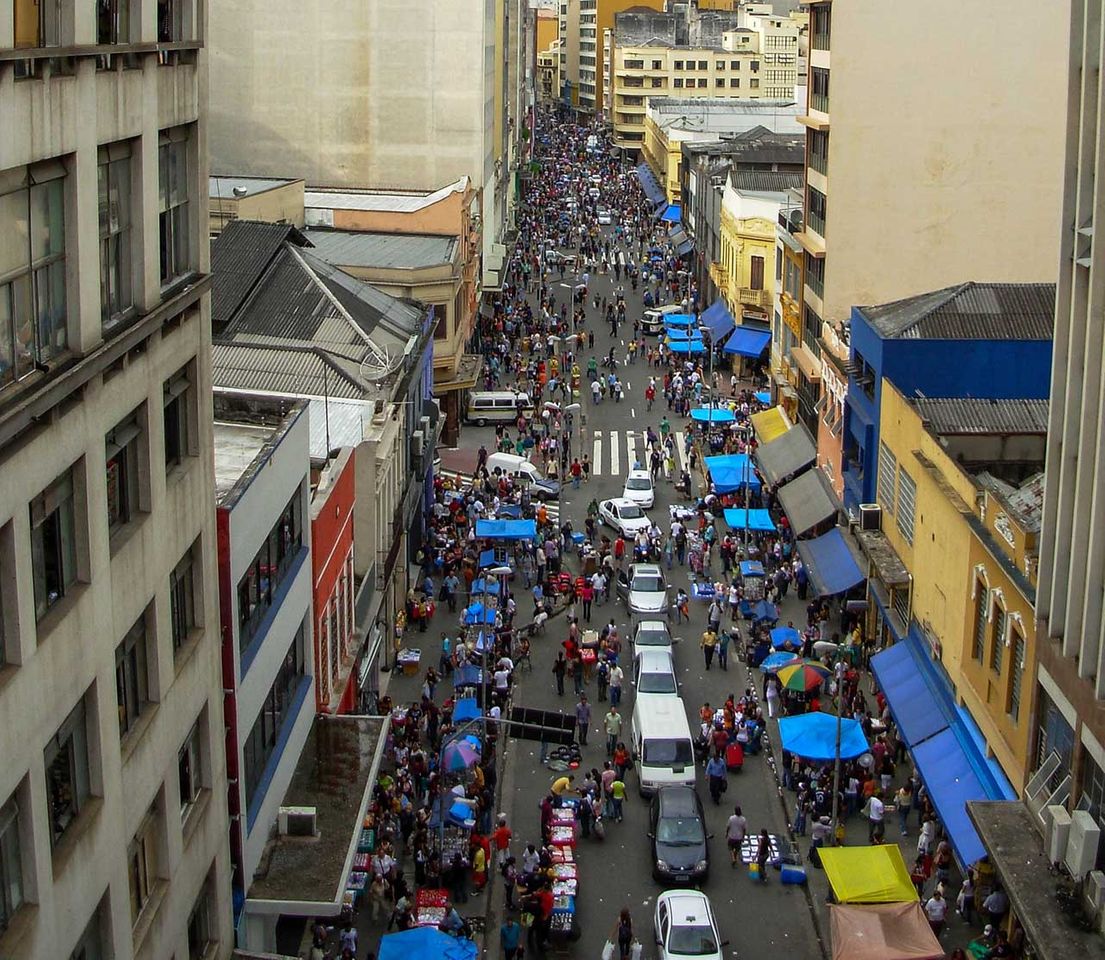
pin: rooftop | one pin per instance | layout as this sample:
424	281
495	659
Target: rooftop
1025	501
232	188
765	181
969	311
385	251
246	428
236	447
951	416
395	201
335	774
754	145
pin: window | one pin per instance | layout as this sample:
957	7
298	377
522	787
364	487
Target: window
177	420
719	82
190	770
32	268
1017	675
703	65
112	21
261	743
170	21
719	64
122	473
816	204
657	81
907	495
11	863
53	543
999	623
91	944
67	774
115	250
888	466
821	26
142	864
818	141
677	82
811	328
982	601
440	321
132	690
819	89
734	64
815	273
678	64
757	279
176	256
259	583
703	82
200	928
657	64
182	601
735	82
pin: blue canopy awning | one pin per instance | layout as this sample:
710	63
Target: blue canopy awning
684	248
830	563
763	397
465	708
751	568
673	213
682	333
687	346
477	613
784	636
706	415
953	767
652	189
506	529
679	320
718	320
748	341
741	519
731	472
813	737
426	943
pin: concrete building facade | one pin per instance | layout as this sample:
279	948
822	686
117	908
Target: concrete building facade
113	818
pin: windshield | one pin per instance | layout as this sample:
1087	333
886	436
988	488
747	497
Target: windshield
630	511
680	831
653	638
649	582
656	683
638	483
692	941
668	753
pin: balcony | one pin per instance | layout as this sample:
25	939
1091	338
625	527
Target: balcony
753	298
791	220
719	274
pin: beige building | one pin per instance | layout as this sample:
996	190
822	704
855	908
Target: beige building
254	198
113	810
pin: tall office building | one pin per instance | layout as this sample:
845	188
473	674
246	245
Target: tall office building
113	814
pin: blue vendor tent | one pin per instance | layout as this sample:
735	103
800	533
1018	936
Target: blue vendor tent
673	213
813	736
741	519
506	529
679	320
706	415
425	943
476	613
732	471
687	346
681	333
781	636
718	320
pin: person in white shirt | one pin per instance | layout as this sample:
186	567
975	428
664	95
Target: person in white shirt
936	909
875	812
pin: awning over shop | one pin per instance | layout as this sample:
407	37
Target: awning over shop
672	214
952	766
706	415
763	396
718	320
748	342
883	931
732	471
687	346
770	424
830	563
741	519
652	189
684	248
807	501
506	529
875	874
787	455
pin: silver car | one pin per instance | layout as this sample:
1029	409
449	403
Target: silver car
644	591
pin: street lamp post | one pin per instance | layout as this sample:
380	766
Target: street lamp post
839	674
501	572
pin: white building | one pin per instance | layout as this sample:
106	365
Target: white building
113	819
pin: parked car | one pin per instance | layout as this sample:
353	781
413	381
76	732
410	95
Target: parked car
605	218
685	927
651	635
677	833
654	671
623	515
643	590
639	488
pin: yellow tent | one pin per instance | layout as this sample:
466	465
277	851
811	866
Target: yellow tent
868	874
770	424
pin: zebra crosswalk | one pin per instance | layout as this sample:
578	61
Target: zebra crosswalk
614	452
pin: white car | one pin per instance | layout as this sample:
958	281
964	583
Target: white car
652	635
605	218
685	927
623	515
639	488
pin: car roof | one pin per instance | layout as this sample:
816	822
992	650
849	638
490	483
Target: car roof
639	475
677	800
654	661
623	502
645	568
652	626
688	907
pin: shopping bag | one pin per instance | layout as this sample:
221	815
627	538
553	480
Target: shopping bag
599	830
608	951
753	871
636	950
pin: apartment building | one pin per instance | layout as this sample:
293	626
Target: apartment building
939	163
113	818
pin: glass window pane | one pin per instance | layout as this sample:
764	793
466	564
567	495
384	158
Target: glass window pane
7	352
50	293
47	219
24	325
14	239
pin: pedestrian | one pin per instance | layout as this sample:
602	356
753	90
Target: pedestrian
763	853
717	777
510	938
736	828
965	901
903	801
617	796
623	934
612	723
724	639
348	938
559	669
583	718
509	871
936	909
586	595
617	677
876	810
708	644
501	839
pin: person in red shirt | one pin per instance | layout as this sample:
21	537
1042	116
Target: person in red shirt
619	549
586	596
500	838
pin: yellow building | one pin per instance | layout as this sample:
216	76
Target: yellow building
786	327
960	495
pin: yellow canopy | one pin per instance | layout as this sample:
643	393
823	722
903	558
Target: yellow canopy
770	424
868	874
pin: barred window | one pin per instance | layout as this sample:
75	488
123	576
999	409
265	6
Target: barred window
888	470
907	496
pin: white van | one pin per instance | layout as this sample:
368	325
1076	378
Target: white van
653	321
490	406
541	487
661	743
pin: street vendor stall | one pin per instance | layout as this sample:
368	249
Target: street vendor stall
875	874
885	931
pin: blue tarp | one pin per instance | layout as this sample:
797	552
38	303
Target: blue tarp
487	558
507	529
673	214
706	415
773	661
679	320
682	333
781	636
813	736
748	341
718	320
479	587
751	568
765	610
731	472
425	943
740	519
763	397
830	564
687	346
465	708
920	706
476	613
466	676
652	189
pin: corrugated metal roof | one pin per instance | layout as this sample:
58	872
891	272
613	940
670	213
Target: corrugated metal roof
344	420
766	181
954	416
394	251
224	187
290	371
380	201
239	255
970	311
1025	501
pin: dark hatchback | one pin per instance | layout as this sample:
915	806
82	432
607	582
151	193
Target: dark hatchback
677	833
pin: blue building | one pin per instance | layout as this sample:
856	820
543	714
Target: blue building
985	340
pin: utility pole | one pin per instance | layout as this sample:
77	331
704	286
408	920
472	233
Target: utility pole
839	674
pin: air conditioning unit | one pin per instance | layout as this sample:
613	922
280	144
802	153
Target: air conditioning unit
870	516
1085	835
418	444
297	821
1095	889
1056	832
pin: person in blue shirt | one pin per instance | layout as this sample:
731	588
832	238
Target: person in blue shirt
510	938
718	776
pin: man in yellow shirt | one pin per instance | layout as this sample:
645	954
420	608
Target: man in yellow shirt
561	785
709	642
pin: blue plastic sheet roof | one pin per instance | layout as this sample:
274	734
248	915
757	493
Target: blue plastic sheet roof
763	397
751	568
426	943
748	341
741	519
706	415
684	248
732	471
652	189
781	636
830	564
679	320
687	346
506	529
682	333
673	213
813	736
718	320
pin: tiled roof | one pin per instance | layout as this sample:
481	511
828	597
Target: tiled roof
970	311
389	251
1025	500
766	181
953	416
238	257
